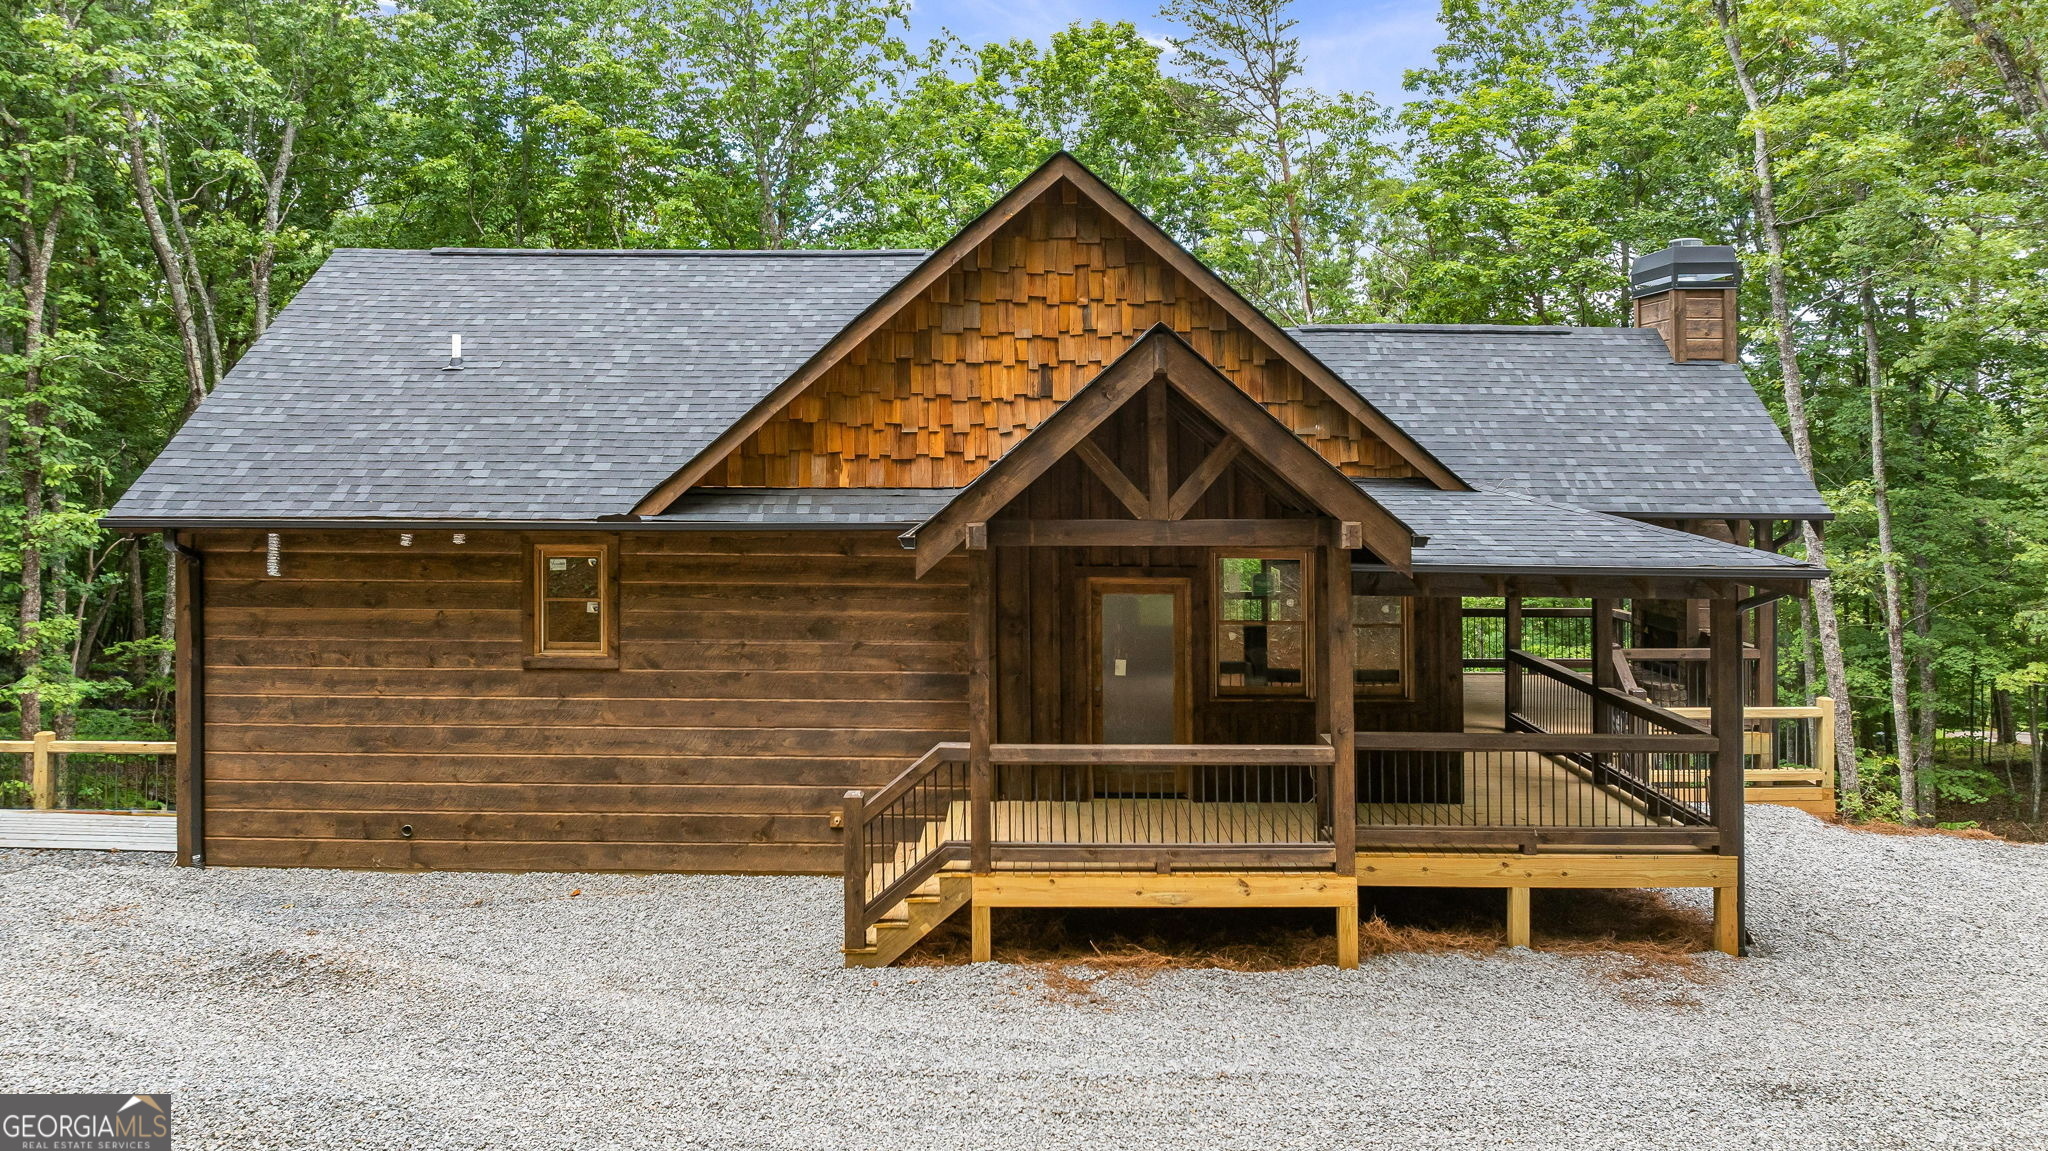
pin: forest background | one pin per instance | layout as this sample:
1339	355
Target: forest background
172	171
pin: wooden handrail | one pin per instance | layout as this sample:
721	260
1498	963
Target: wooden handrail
1546	743
1541	613
1621	702
1680	654
1163	754
893	790
43	772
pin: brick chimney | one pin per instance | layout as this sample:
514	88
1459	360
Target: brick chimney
1687	293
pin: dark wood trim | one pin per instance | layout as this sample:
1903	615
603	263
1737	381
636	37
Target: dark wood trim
1159	533
189	627
855	876
1204	477
1641	709
1158	492
1724	701
1053	439
1149	855
1337	697
1533	838
1162	755
981	720
894	789
1583	585
1543	742
1113	478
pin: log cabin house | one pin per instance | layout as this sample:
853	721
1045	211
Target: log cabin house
1038	570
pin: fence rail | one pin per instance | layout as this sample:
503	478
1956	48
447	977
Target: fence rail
1788	754
45	792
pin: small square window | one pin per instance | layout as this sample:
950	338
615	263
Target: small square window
572	601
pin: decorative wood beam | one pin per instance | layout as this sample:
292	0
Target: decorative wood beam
1159	533
1204	477
1114	479
1157	489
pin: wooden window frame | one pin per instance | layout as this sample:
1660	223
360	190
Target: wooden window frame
1405	692
538	551
1307	689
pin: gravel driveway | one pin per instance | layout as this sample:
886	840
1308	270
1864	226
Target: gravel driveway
1899	999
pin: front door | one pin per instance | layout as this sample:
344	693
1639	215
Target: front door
1141	672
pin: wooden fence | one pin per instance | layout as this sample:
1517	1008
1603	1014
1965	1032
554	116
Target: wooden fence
45	747
1789	755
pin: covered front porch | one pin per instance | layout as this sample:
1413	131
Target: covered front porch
1207	668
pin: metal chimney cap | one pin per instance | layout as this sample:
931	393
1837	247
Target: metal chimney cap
1686	263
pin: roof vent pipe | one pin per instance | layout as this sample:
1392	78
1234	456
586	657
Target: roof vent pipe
454	353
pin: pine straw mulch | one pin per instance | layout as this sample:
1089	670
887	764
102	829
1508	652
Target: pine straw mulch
1644	934
1886	827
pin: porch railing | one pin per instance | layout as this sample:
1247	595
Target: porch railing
1080	806
1144	806
903	835
1579	764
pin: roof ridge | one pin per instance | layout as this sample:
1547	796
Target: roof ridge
664	252
1461	329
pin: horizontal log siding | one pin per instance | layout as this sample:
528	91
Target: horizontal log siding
370	687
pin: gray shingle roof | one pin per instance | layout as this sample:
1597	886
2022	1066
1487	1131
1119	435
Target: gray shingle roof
809	507
1486	530
587	380
1593	417
590	377
1496	531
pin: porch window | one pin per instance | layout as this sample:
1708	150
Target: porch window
1261	625
572	603
1379	633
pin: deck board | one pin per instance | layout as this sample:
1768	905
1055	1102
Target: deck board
89	830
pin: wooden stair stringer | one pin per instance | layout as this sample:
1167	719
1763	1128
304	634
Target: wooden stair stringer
913	919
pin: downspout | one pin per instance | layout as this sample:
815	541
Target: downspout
192	692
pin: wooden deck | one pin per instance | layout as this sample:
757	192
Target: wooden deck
89	830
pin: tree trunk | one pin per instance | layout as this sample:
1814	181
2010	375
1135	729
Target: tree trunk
273	222
1765	198
168	629
167	262
2003	727
1923	662
138	610
1888	559
2034	748
2029	94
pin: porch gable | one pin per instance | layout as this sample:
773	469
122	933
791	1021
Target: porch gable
1154	508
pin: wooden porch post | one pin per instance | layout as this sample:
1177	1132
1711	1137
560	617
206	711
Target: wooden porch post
1338	714
1511	640
1724	701
1604	673
980	708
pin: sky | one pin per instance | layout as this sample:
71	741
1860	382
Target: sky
1354	45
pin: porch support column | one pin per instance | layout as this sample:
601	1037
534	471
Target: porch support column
1604	672
1339	719
1724	703
1511	640
980	708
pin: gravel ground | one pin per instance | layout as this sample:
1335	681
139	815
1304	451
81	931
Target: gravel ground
1899	998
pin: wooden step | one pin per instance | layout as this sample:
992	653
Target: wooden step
913	919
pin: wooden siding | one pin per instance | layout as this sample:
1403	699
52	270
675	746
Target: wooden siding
1696	323
1030	316
370	686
